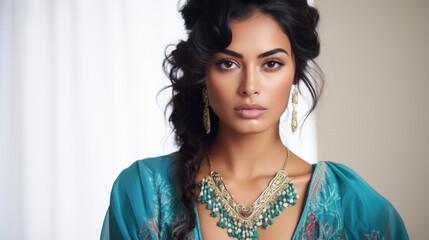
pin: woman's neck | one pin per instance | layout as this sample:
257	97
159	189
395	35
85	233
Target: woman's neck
247	155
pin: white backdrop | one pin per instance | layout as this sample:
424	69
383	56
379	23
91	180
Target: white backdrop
78	85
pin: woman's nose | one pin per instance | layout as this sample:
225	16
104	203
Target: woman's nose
250	84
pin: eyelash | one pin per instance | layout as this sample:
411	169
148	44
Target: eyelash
223	61
275	61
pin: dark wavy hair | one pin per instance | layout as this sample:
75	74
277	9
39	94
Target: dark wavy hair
208	26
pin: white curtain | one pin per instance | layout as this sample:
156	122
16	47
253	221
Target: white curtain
78	103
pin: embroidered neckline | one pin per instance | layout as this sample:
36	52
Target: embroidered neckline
302	219
242	220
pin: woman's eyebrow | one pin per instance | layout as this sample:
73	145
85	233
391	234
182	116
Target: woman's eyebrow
232	53
271	52
265	54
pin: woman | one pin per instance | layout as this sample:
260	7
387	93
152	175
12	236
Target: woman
232	177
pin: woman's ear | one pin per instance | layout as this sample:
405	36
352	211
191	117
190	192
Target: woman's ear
295	80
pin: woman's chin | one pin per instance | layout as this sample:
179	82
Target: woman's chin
249	128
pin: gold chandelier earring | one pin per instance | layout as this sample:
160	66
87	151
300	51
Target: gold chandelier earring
294	123
206	112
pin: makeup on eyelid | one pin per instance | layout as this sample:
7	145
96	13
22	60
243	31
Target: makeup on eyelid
228	63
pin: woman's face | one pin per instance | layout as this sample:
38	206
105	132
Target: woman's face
249	82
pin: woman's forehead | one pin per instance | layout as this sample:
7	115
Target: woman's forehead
258	33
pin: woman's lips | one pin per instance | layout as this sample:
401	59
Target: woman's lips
250	110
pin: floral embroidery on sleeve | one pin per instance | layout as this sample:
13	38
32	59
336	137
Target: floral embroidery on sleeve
373	236
324	203
168	216
149	233
311	229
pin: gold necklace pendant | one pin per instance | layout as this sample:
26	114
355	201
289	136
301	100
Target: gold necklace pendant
241	220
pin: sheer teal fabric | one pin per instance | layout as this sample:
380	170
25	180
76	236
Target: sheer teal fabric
144	204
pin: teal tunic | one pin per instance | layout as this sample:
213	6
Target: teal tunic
144	204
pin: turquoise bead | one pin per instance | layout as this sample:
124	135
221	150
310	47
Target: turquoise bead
273	210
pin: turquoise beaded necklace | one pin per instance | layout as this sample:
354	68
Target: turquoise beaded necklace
242	221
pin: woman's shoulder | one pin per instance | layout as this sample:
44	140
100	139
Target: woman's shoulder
363	209
151	165
144	200
350	185
145	174
162	163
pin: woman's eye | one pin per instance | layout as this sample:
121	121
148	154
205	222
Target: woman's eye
226	64
273	64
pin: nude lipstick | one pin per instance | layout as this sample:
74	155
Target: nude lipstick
250	111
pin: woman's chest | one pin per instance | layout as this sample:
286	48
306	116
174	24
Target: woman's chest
283	225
